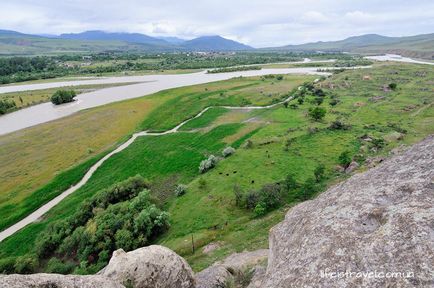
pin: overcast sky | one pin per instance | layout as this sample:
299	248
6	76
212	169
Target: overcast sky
258	23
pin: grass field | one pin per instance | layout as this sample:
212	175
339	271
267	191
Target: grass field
207	211
30	158
28	98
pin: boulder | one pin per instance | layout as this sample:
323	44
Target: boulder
56	280
221	272
149	267
375	229
215	276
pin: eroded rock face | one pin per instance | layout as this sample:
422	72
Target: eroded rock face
56	281
379	221
149	267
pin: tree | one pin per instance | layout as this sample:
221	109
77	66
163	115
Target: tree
228	151
207	164
317	113
180	190
319	172
393	86
63	96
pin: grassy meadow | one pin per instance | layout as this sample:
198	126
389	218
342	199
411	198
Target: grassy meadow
207	211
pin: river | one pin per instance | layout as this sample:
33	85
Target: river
149	84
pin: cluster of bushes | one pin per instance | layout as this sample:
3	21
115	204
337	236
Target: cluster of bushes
6	106
352	62
273	195
208	164
63	96
234	69
122	216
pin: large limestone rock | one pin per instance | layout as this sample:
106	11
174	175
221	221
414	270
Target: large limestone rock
380	221
149	267
56	281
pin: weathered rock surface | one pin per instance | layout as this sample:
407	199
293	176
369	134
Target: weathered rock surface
220	272
56	281
149	267
379	221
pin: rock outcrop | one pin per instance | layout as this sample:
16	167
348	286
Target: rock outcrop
149	267
56	281
221	272
374	224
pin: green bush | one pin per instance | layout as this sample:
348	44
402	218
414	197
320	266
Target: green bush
260	210
228	151
63	96
26	264
55	265
319	172
122	216
7	265
207	164
345	158
180	190
317	113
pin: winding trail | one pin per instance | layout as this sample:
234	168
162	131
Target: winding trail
37	214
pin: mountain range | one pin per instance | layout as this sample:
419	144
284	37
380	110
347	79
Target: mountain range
16	43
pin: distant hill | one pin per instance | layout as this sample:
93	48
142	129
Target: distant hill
16	43
108	36
172	40
414	46
214	43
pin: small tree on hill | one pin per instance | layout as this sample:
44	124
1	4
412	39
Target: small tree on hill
317	113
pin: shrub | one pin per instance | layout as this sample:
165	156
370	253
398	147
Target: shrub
252	199
334	102
290	182
271	195
339	125
228	151
393	86
207	164
55	265
239	196
279	77
319	172
378	143
260	209
6	106
248	144
317	113
308	188
7	265
63	96
180	190
345	158
26	264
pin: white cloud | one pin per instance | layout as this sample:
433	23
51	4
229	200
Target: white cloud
256	22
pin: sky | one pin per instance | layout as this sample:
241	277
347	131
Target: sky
258	23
